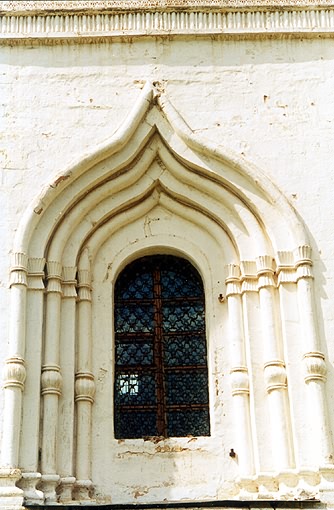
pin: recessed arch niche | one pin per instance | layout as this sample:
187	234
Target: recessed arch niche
155	187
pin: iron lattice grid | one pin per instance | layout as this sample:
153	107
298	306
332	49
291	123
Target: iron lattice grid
161	375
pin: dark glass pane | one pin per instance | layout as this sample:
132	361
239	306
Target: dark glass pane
133	318
135	389
131	353
187	387
134	283
183	317
132	424
183	423
183	350
180	279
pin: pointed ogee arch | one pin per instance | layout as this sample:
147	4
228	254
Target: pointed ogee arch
215	163
156	187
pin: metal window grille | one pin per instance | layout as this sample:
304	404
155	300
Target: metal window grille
161	376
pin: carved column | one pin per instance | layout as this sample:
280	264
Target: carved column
274	367
14	378
239	374
84	382
31	408
321	447
286	282
51	382
67	363
14	372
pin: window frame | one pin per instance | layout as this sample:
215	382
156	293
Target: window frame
159	337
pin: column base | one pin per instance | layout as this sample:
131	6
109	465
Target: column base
248	487
83	491
309	482
65	489
48	485
326	492
268	486
11	496
28	483
288	483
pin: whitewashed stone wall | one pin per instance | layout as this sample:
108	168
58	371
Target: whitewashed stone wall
239	120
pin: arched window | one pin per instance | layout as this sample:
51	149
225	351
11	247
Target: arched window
161	376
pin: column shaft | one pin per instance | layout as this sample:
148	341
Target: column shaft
67	363
14	371
32	395
315	369
239	374
84	383
51	382
274	367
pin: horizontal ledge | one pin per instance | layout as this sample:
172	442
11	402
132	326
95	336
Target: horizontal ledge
131	38
108	5
164	23
306	504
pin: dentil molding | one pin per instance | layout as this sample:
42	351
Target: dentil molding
96	21
103	5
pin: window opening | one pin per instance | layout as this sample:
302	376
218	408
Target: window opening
161	376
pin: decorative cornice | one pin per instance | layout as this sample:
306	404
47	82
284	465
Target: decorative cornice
112	5
248	18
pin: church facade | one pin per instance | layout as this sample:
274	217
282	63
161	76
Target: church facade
167	253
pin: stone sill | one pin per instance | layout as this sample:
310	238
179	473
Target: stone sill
216	505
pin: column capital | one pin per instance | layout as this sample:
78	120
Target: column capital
233	281
265	265
84	285
36	273
249	276
303	262
54	272
286	270
18	269
69	282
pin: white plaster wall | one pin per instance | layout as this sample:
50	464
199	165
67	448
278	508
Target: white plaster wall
270	100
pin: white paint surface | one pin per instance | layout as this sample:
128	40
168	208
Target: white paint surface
270	102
